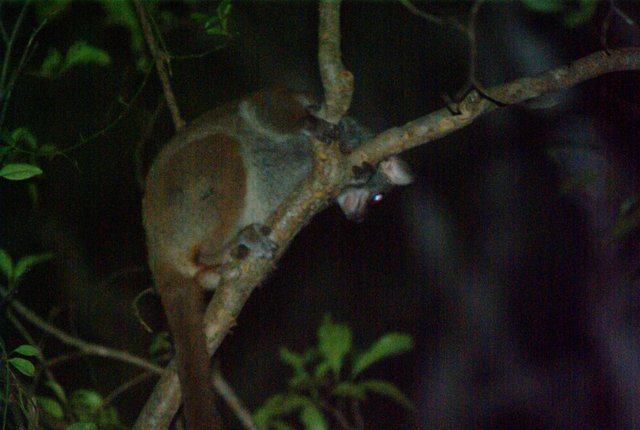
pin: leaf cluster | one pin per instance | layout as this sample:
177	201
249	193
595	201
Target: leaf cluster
85	409
327	381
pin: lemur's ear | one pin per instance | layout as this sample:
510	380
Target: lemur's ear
396	171
354	202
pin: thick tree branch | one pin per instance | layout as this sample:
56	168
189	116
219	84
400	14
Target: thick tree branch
331	174
442	122
336	80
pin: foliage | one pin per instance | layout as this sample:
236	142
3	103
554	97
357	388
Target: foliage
326	376
14	272
573	13
217	24
17	360
86	409
79	53
20	152
27	396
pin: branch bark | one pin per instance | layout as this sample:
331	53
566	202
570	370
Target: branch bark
442	122
331	173
336	80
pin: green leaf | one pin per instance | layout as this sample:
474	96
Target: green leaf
199	17
585	11
211	22
108	418
301	382
217	31
27	350
388	345
224	8
543	6
313	419
122	13
85	403
291	358
350	390
322	370
52	64
6	264
86	400
19	171
278	405
334	342
22	134
26	263
296	361
22	365
50	406
83	53
57	389
388	390
82	426
217	24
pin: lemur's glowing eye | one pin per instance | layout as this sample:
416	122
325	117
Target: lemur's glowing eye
377	198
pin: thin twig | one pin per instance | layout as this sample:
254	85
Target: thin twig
136	309
442	122
63	358
24	59
86	347
232	400
9	45
109	398
434	19
112	124
337	414
3	30
606	23
160	65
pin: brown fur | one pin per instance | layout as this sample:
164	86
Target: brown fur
198	196
184	304
193	193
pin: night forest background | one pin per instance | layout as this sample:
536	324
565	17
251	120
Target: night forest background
512	261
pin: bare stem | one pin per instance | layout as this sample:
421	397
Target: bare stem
160	61
84	346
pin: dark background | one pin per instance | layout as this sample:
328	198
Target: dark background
522	318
